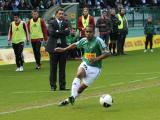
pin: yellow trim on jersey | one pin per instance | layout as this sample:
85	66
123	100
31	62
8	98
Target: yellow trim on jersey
90	55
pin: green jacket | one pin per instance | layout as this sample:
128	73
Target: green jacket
149	28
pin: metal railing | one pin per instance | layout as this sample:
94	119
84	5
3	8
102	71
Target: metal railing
7	16
136	17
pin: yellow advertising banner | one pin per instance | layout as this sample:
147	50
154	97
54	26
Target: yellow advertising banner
137	43
7	55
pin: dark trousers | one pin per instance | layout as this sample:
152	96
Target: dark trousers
121	42
149	40
55	60
113	42
37	53
105	38
18	51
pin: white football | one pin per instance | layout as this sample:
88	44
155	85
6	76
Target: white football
106	100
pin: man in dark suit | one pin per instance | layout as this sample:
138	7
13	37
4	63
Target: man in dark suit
58	30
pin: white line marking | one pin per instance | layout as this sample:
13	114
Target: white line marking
134	81
27	92
94	88
117	84
114	84
133	73
51	104
152	78
28	108
107	74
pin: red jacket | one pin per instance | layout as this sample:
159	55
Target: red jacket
81	27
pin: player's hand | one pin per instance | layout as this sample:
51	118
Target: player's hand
58	49
44	43
27	43
9	43
92	60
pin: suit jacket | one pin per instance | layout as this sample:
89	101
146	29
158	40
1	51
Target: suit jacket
63	31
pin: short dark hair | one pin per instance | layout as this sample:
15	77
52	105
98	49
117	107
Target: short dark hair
86	8
104	11
35	10
59	9
16	14
91	26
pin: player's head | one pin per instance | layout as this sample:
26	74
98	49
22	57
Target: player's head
35	13
16	17
85	11
149	19
60	14
89	31
104	13
113	12
122	11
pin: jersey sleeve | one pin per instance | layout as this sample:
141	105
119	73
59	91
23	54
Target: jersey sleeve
102	45
80	43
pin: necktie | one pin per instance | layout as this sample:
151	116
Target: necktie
60	22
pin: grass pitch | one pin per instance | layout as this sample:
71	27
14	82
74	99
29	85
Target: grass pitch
133	81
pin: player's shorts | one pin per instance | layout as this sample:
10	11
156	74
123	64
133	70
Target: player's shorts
91	73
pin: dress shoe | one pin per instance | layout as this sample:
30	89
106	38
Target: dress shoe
124	54
64	89
53	89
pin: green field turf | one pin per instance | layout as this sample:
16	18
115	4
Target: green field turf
133	81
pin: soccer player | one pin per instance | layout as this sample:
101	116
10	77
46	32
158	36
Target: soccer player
94	51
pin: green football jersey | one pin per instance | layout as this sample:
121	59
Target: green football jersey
92	49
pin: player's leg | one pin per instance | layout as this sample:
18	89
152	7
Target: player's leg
75	85
15	48
91	74
76	82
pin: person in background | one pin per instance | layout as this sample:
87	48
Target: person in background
58	29
122	31
114	32
38	33
17	35
149	31
90	68
83	21
104	25
72	38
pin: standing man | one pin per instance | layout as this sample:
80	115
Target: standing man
149	31
90	68
114	32
104	24
17	35
122	31
58	30
38	32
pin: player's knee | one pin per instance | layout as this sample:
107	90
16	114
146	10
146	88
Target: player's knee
82	88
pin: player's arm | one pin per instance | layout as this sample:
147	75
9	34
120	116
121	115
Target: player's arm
10	34
105	54
70	47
